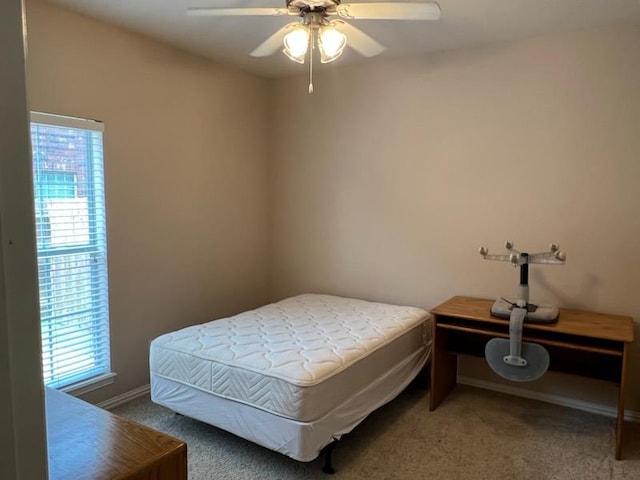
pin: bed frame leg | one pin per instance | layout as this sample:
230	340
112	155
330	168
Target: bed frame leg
327	467
422	380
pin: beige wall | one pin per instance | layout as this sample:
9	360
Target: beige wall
381	185
386	180
22	427
185	165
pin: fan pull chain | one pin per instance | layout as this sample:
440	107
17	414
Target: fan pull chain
311	46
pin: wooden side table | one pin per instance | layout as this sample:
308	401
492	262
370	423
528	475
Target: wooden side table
87	442
593	345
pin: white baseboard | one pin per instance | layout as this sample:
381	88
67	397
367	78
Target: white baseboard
597	408
125	397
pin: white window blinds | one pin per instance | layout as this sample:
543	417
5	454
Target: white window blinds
72	248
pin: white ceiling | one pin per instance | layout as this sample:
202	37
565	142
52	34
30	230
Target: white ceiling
464	23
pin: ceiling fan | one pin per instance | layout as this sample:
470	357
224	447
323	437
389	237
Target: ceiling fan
316	30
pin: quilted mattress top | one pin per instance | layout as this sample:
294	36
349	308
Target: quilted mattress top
302	340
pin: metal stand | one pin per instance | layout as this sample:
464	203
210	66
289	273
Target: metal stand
534	313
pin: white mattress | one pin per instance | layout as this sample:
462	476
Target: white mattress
301	441
299	358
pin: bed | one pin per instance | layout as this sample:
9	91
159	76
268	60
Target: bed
295	375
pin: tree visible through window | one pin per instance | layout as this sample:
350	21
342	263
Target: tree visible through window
71	247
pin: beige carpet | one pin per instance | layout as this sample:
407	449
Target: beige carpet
474	434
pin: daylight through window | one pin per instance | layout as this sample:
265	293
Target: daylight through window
72	249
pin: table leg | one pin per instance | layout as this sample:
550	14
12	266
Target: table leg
444	368
621	393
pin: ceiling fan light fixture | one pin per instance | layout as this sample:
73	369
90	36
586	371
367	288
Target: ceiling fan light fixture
314	29
331	43
296	43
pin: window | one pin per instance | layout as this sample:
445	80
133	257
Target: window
72	250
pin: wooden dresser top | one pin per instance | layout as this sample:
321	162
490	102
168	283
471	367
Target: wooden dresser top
85	441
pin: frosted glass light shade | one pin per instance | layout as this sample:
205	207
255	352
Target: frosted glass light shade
296	43
331	43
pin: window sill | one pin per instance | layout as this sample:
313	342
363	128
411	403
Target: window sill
91	384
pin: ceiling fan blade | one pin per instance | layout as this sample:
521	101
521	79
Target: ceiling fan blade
389	11
226	12
358	40
272	44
